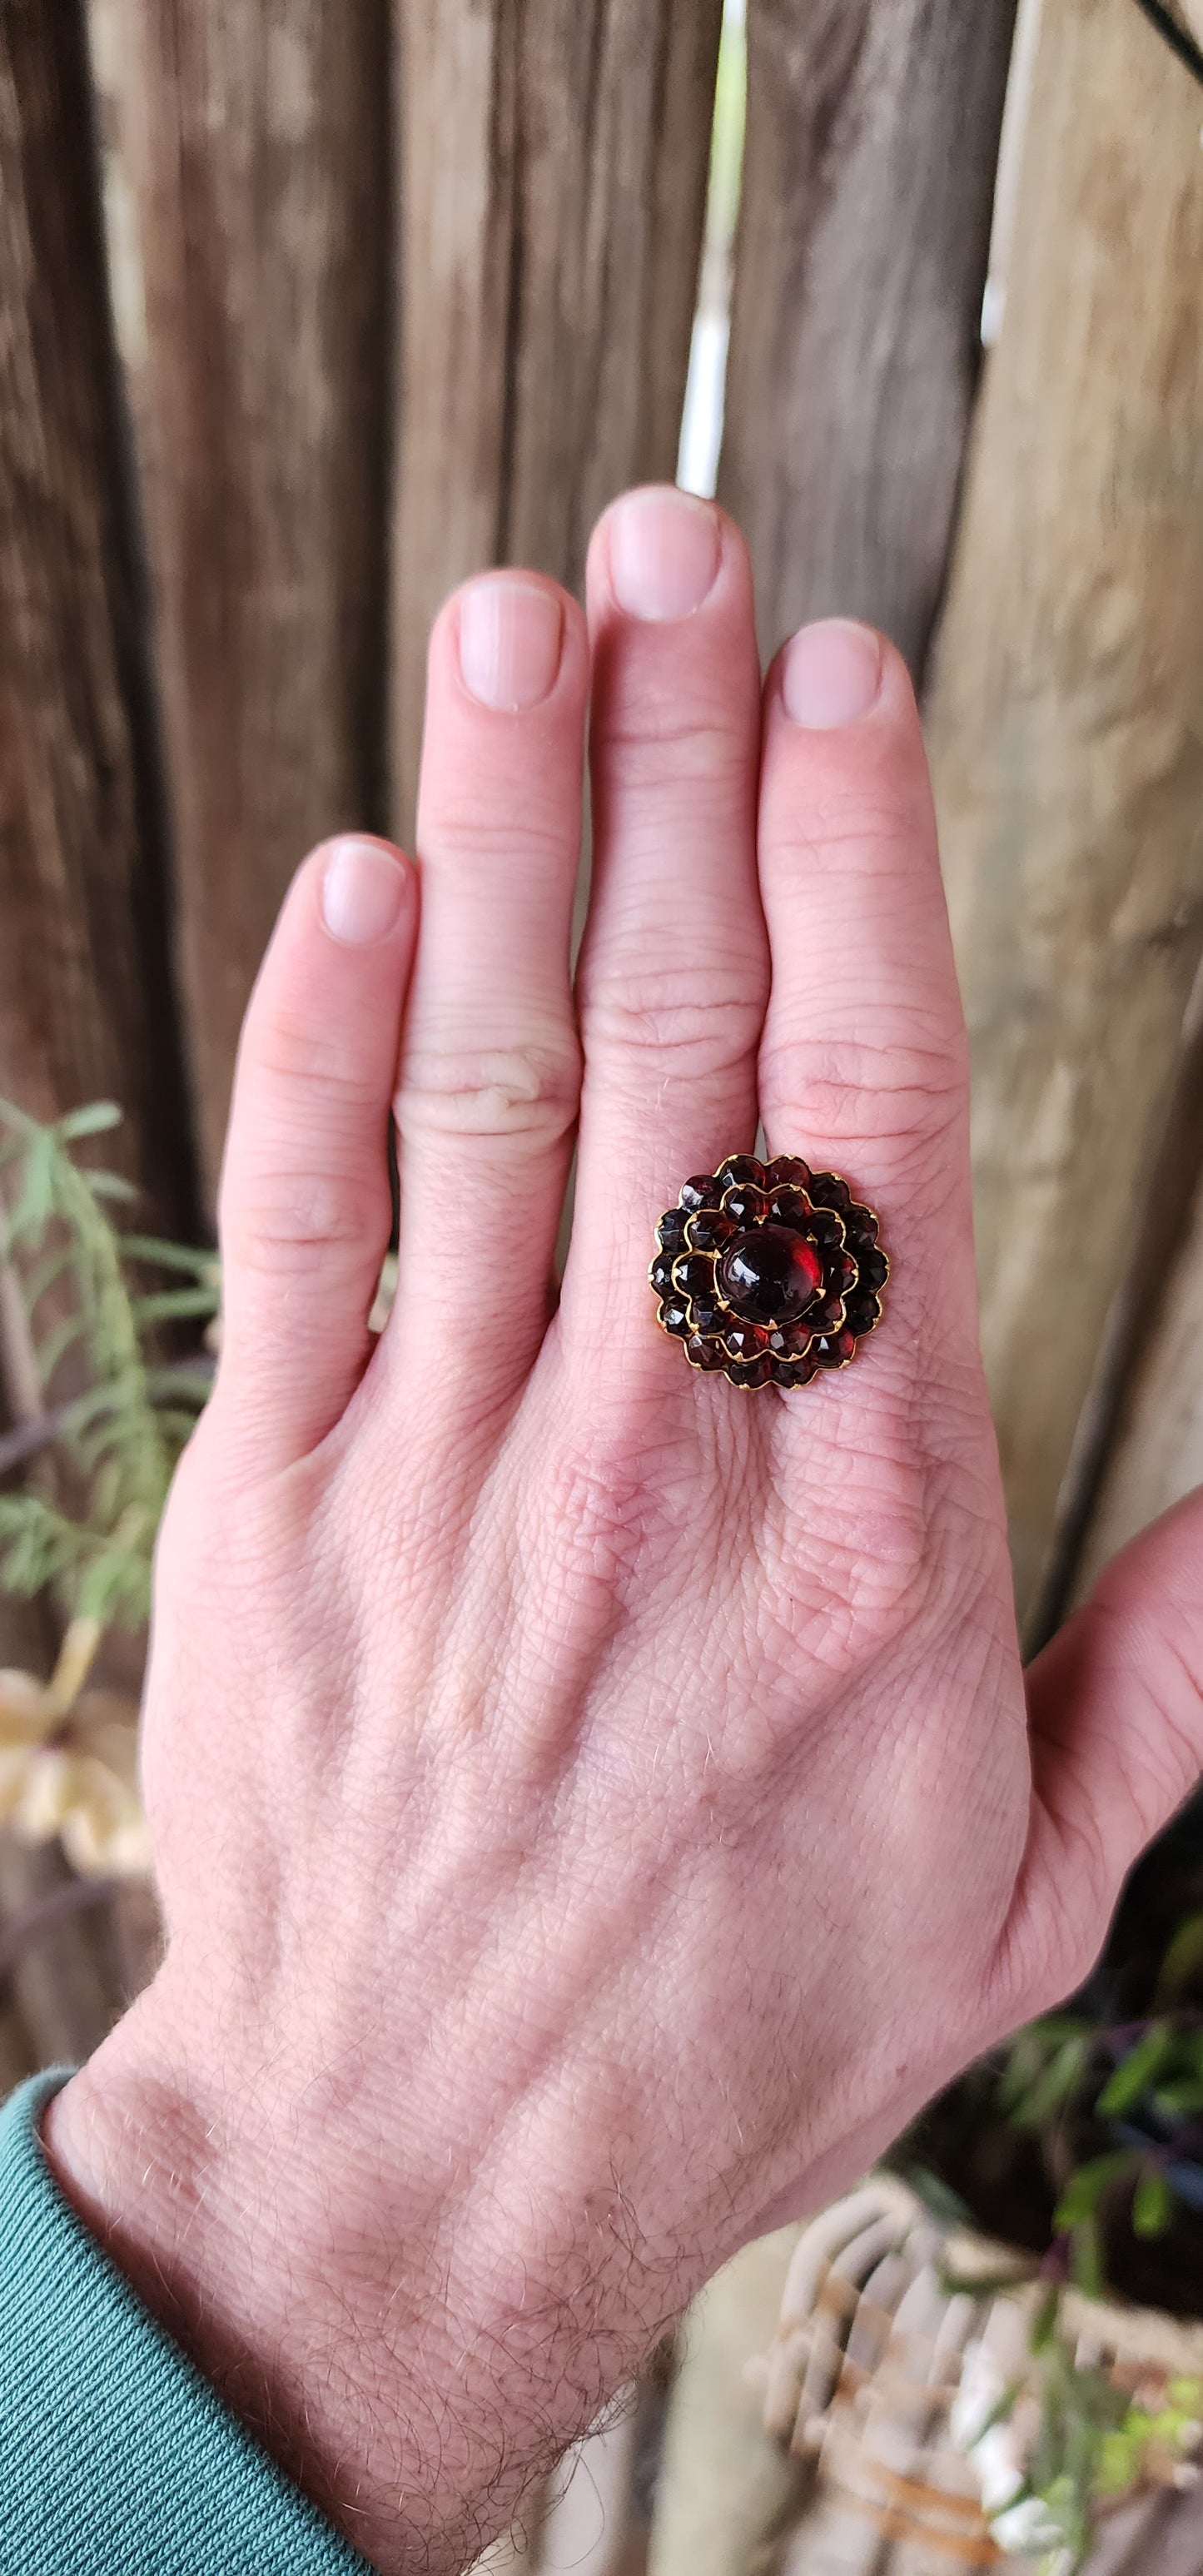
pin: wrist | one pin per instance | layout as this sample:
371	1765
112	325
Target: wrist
412	2367
165	2182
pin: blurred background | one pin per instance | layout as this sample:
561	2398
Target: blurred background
306	312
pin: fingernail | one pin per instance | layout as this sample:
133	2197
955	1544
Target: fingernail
363	889
664	552
510	635
831	673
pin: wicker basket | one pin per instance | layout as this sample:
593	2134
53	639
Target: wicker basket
881	2321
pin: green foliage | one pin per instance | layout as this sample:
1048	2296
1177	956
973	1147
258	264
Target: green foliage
1135	2073
1114	2117
1152	2203
1182	1962
1094	2442
1057	2081
1079	2410
1085	2189
121	1435
1061	2062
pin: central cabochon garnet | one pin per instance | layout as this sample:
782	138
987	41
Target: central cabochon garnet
770	1275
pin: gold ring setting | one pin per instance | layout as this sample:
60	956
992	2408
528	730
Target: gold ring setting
768	1274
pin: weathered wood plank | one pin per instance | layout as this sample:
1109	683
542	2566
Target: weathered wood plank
1150	1450
84	1001
552	165
1067	718
872	137
255	141
27	2041
724	2486
1159	1449
63	1982
585	2526
1132	1449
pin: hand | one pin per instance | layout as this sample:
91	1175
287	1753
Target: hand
593	1806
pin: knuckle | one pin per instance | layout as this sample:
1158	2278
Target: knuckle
865	832
907	1083
295	1055
285	1222
526	1091
613	1511
694	1027
651	747
466	833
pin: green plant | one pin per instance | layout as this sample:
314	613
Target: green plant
1094	2443
119	1436
1061	2440
1082	2139
76	1306
1135	2091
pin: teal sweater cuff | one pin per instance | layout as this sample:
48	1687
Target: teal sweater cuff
116	2457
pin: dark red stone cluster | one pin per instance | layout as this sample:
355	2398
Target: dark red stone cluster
768	1272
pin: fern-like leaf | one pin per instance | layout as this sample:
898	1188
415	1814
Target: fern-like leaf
124	1432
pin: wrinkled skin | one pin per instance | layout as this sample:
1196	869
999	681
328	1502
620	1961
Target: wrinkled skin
593	1807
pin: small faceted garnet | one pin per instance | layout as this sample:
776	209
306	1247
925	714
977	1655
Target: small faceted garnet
770	1275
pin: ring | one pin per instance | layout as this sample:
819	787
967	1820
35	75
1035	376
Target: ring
768	1273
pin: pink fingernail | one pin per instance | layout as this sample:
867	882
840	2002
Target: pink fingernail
831	673
510	638
363	889
664	552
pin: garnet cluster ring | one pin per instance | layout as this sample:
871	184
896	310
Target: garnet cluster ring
768	1273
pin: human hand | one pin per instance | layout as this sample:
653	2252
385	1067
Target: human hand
593	1806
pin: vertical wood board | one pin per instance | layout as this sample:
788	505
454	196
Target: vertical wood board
1156	1456
552	169
869	160
255	142
724	2487
85	1002
1067	720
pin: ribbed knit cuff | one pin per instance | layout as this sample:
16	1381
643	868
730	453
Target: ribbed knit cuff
116	2457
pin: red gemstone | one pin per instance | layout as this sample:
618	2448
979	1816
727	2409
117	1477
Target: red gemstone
792	1341
705	1354
751	1372
744	1203
742	1168
770	1274
709	1230
793	1372
833	1350
789	1207
744	1341
788	1171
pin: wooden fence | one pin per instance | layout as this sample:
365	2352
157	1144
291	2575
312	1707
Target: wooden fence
306	312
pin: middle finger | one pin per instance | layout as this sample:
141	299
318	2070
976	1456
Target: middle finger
490	1062
673	977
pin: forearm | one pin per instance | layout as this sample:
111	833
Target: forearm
413	2378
